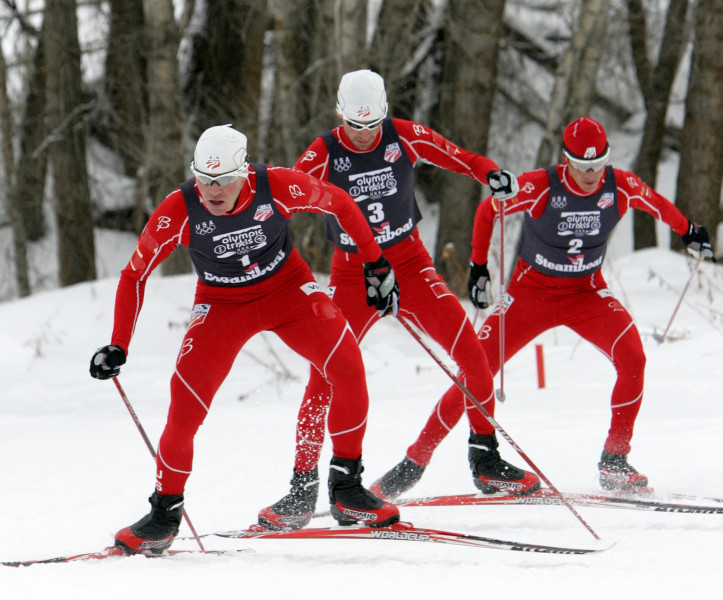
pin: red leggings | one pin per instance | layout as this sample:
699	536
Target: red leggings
427	302
539	303
291	305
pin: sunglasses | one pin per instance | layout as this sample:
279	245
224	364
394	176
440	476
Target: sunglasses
585	166
220	180
357	126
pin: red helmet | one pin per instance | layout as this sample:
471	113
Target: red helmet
585	144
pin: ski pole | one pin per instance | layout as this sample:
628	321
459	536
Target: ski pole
142	431
500	393
496	425
660	338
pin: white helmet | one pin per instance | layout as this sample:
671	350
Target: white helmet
220	150
362	97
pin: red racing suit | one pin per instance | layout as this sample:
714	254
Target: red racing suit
251	279
575	296
382	182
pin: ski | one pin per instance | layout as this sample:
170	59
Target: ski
546	496
401	531
112	552
694	499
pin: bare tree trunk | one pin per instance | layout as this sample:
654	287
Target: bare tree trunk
700	174
125	69
307	73
573	66
469	75
583	87
331	56
406	49
76	248
124	122
20	259
531	46
165	157
655	84
349	41
32	163
305	98
223	84
400	27
292	23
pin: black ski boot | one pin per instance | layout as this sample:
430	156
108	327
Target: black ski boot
294	510
398	480
617	474
491	474
154	533
351	502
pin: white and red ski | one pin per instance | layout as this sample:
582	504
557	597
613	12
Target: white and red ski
641	500
112	552
401	531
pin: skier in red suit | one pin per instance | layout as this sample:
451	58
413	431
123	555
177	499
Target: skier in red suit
570	211
372	157
233	219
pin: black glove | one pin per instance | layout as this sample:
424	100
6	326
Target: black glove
478	285
382	287
503	185
697	241
106	362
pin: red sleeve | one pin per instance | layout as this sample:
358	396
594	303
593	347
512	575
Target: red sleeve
166	228
315	160
423	143
294	191
532	197
633	192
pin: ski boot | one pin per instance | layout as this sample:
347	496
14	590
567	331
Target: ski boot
491	474
398	480
154	533
294	510
617	474
351	502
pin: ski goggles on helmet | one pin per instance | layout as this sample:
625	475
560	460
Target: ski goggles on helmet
221	180
357	126
588	164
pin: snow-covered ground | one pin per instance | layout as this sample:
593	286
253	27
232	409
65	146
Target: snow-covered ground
74	469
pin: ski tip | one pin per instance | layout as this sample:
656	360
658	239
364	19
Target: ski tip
107	552
603	546
596	547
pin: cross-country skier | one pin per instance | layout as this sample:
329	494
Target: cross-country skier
373	158
232	218
570	211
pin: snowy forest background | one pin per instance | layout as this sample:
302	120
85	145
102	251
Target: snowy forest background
101	103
